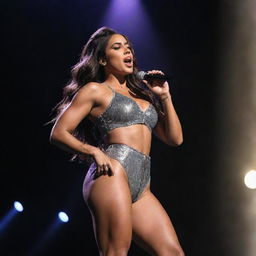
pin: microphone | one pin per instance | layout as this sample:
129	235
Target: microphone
149	77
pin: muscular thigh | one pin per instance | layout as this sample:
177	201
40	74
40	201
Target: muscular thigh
109	200
152	227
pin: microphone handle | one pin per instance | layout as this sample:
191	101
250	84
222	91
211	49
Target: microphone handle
150	77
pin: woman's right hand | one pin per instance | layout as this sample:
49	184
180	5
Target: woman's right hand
103	162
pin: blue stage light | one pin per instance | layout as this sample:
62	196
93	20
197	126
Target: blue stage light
18	206
63	217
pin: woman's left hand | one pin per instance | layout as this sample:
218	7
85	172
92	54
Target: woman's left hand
158	87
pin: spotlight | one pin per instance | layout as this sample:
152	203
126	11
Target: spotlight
250	179
4	222
130	17
63	217
18	206
49	233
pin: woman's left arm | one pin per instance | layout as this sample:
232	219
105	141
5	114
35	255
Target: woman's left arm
168	128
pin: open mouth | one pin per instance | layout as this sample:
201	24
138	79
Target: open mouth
128	61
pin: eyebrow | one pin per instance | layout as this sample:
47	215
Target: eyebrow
119	43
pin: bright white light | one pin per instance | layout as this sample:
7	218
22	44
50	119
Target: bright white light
63	217
250	179
18	206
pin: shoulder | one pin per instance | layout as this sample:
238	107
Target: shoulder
92	87
90	91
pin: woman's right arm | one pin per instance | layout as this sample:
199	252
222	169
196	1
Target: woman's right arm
78	109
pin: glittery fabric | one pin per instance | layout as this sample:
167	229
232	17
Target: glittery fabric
124	111
136	165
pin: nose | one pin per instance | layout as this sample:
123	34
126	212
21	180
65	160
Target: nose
127	50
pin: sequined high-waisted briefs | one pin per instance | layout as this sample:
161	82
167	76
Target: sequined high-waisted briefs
135	164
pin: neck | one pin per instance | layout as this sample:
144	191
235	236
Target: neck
115	80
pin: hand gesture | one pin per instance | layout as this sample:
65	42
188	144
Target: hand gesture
157	86
103	162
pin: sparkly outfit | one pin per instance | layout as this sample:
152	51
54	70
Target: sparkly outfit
124	111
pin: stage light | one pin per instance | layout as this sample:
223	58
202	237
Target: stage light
63	217
126	16
4	222
18	206
250	179
131	18
49	233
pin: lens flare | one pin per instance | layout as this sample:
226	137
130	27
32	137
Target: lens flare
63	217
18	206
250	179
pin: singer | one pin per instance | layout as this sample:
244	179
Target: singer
108	114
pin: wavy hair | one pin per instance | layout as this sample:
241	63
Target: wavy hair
88	70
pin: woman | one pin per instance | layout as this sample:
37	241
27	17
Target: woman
108	114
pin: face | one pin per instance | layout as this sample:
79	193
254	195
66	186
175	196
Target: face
119	57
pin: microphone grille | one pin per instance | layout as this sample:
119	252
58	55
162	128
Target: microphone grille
141	74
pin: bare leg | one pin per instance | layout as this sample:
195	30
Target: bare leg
109	201
152	227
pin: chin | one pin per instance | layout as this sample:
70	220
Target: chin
130	71
124	71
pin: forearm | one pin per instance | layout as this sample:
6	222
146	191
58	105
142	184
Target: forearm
67	142
172	126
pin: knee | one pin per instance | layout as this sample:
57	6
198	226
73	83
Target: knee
178	252
116	251
171	250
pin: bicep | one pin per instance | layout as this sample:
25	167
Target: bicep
76	111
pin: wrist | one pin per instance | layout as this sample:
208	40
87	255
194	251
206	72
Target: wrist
165	96
88	149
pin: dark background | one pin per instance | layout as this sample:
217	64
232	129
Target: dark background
41	40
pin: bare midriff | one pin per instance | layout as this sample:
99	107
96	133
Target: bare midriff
137	136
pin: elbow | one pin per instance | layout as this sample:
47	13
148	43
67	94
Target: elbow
51	140
178	139
178	142
175	142
54	137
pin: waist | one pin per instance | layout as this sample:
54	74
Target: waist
142	146
136	137
125	146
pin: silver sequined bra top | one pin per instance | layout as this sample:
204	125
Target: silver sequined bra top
124	111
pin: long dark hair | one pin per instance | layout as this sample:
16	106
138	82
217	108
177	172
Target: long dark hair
88	70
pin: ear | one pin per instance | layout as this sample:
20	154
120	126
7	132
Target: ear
102	62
